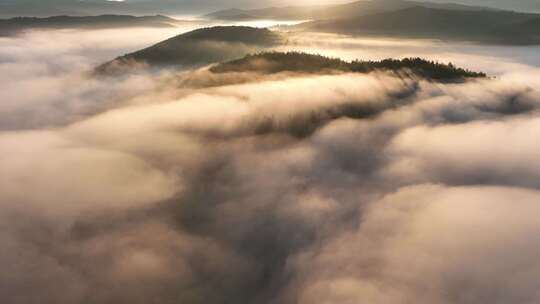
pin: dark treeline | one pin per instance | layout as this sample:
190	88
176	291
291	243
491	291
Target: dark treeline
275	62
421	67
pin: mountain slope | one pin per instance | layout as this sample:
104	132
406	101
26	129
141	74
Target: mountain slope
500	27
340	11
199	47
14	25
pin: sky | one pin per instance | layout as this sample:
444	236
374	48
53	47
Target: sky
51	7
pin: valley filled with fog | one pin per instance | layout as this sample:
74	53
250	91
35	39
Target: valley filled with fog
189	186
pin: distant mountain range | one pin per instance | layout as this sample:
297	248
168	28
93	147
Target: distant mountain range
484	26
15	25
196	48
404	18
45	8
340	11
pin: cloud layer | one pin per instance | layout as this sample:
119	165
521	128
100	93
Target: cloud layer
279	189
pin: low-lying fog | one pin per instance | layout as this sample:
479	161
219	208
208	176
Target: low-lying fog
137	190
492	59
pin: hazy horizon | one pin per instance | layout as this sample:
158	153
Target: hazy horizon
11	8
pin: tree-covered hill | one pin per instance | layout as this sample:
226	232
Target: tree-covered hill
199	47
240	34
275	62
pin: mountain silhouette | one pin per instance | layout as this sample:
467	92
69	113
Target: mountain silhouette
199	47
498	27
339	11
15	25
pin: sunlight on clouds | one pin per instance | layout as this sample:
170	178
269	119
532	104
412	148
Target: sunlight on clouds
193	187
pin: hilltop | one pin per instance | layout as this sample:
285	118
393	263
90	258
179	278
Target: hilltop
275	62
199	47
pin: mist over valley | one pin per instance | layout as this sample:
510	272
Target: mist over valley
269	155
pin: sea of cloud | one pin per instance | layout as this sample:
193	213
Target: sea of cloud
326	189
